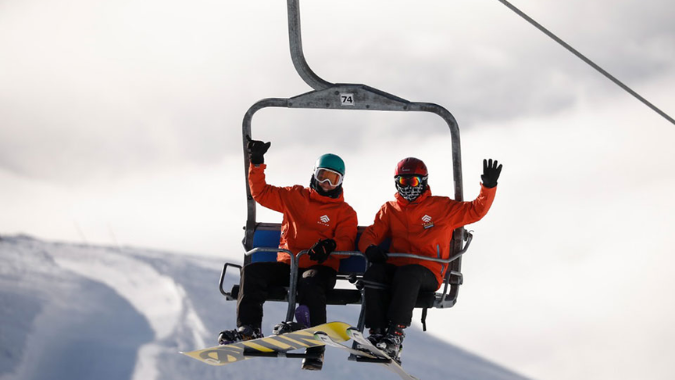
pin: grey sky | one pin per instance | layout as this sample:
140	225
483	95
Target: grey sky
120	123
106	89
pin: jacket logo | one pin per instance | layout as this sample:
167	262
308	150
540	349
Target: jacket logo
323	220
427	222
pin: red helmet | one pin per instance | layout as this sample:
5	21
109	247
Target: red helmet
411	166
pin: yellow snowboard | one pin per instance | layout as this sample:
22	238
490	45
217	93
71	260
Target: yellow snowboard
274	345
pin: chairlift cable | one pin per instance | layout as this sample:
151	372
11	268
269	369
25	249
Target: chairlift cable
588	61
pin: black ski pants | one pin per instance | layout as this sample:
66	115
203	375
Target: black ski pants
395	304
256	278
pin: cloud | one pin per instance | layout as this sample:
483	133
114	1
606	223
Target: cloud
485	63
106	90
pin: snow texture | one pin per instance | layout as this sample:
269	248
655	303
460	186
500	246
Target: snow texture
81	312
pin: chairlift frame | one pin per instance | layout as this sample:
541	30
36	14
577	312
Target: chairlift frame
345	96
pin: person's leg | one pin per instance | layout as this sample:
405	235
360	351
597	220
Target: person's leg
313	285
406	285
377	279
256	278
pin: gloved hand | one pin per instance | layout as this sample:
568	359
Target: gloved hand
375	254
256	150
321	250
490	173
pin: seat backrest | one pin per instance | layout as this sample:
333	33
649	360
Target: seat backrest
268	234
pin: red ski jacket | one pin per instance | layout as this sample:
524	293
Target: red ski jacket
307	217
424	226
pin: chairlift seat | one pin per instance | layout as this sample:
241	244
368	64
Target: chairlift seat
267	235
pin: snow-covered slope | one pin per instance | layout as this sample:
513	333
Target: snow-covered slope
82	312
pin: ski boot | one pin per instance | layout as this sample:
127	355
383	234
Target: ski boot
242	333
286	327
375	335
314	363
302	318
392	343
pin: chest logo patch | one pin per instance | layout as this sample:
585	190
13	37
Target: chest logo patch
323	220
427	222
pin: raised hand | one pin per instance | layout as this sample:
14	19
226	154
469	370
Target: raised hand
256	150
491	173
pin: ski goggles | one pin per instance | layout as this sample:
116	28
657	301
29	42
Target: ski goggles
412	181
326	175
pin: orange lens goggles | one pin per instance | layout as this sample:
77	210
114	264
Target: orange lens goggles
412	181
323	175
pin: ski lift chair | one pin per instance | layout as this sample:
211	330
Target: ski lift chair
265	245
261	240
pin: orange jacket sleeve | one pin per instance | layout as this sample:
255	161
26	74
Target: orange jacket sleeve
266	195
463	213
345	232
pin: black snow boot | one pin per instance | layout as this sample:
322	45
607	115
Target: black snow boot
392	343
375	335
314	363
286	327
240	334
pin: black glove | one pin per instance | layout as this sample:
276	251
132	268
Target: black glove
256	150
375	254
490	173
321	250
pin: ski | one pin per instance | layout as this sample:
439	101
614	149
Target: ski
388	362
328	341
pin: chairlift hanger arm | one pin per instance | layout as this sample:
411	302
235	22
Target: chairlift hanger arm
297	55
385	101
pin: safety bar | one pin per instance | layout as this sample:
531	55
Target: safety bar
293	281
441	302
294	272
228	295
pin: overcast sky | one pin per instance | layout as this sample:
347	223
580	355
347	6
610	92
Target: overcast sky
120	123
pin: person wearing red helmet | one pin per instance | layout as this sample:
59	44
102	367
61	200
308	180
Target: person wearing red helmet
315	218
422	224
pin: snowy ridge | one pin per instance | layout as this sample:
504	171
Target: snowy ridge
83	312
153	295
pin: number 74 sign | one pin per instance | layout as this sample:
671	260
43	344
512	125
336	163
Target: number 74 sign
347	99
